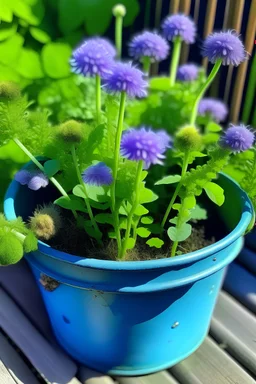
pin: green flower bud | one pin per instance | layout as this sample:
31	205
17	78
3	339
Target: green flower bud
119	10
9	90
188	138
11	249
45	223
70	132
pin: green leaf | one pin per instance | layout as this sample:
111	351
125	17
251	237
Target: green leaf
71	15
147	196
31	11
147	220
155	242
78	190
30	243
72	203
10	50
97	193
160	83
215	193
104	218
51	167
169	180
130	243
6	13
199	213
140	210
55	58
143	232
7	29
213	127
29	64
179	233
92	232
39	35
189	202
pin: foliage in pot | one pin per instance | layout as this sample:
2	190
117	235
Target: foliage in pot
110	205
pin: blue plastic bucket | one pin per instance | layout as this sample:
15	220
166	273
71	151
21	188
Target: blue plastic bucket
133	318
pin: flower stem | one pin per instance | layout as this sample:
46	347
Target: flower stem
118	35
179	185
146	65
133	208
98	97
86	199
174	248
175	60
40	166
203	89
115	167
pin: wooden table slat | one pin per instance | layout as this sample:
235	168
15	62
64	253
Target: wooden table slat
210	365
89	376
235	327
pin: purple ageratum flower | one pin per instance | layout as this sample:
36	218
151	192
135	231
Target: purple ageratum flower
225	46
187	72
237	138
144	144
166	139
179	25
92	58
99	174
126	78
106	45
216	109
33	179
149	44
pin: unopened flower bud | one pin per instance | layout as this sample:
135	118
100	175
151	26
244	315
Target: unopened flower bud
188	138
70	132
46	222
119	10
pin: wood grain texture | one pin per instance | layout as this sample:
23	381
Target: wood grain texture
14	363
48	359
162	377
242	285
210	365
235	327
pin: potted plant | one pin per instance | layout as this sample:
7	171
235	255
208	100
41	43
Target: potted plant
131	253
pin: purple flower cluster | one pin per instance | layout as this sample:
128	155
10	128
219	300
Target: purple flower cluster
187	72
179	25
216	109
99	174
128	79
93	57
237	138
225	46
33	179
144	144
149	45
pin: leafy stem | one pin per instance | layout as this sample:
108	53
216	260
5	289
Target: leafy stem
133	208
203	89
98	97
40	166
178	187
175	60
86	199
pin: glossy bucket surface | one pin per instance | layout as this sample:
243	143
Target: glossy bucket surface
133	318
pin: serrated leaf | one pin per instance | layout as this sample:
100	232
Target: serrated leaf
147	220
215	193
169	180
72	203
199	213
179	233
143	232
51	167
213	127
155	242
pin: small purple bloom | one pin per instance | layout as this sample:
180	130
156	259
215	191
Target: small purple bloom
225	46
92	58
99	174
237	138
187	72
126	78
143	144
106	44
179	25
149	44
166	139
216	109
33	179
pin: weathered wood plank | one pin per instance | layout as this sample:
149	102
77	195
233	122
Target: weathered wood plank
209	364
5	376
48	359
248	258
235	327
14	363
162	377
89	376
241	284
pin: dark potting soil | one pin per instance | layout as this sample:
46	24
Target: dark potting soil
74	240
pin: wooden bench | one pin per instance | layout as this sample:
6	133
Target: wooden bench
29	353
